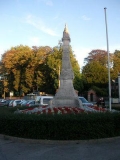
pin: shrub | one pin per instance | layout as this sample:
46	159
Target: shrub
59	127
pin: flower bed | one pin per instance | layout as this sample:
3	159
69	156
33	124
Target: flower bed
99	108
60	110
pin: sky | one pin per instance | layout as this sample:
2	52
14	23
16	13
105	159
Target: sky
41	23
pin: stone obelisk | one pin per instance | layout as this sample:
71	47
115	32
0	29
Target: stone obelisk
66	95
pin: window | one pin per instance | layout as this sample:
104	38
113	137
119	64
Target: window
46	100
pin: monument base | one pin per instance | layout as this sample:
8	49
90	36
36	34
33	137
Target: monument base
64	102
66	96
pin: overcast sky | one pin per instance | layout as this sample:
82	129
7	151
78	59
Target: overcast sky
41	23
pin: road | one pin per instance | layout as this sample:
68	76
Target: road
105	149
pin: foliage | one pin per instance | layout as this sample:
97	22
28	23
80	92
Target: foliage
77	82
54	62
37	68
100	91
23	67
95	72
116	64
28	69
97	55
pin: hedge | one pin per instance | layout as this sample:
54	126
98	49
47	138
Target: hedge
59	127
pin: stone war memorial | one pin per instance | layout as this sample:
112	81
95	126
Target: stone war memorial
66	99
66	95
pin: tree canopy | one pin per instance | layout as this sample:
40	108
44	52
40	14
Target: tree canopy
116	64
21	63
95	72
38	68
35	68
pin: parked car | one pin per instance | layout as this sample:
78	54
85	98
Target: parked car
30	103
2	100
87	105
40	100
23	102
85	102
5	102
44	100
15	102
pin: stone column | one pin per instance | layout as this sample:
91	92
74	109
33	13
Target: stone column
66	95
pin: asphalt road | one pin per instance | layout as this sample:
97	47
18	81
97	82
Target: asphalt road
105	149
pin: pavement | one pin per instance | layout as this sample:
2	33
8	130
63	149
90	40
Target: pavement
12	148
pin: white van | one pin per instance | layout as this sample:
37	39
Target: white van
43	100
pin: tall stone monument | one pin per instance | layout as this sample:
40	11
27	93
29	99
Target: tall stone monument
66	95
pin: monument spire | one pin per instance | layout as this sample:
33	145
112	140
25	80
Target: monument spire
66	95
66	29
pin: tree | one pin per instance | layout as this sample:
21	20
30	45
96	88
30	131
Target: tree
116	64
37	68
14	63
39	60
54	62
77	82
52	67
95	72
22	64
97	55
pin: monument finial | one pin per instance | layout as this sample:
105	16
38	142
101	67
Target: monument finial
66	35
66	29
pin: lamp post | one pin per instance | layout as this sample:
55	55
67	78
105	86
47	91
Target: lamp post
58	75
3	78
108	60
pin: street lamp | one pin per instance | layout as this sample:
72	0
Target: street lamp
3	79
108	61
